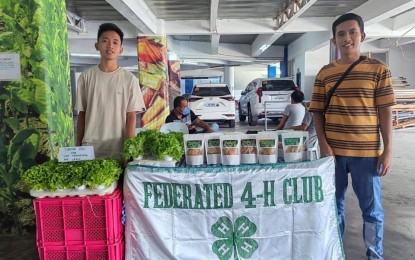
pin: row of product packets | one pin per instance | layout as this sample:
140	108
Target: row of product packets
238	148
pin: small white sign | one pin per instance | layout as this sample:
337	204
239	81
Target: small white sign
10	67
77	153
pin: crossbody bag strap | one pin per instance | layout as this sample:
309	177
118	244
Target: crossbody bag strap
340	80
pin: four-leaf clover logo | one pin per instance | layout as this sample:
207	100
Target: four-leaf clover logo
234	238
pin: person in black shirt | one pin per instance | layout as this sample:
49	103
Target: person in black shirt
182	113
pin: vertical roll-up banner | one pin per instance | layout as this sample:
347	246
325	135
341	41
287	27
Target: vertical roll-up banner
174	81
152	65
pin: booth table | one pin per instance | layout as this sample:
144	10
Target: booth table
269	211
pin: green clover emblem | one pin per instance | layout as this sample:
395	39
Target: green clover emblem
234	238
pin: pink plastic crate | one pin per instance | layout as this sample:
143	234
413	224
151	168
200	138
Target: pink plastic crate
69	221
91	252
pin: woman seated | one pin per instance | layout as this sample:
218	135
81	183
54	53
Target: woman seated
308	125
293	113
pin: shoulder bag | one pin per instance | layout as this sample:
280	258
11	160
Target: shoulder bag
339	81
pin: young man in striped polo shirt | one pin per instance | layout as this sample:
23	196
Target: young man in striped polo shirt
349	130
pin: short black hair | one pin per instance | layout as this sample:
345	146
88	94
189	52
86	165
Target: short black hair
105	27
178	101
348	17
297	96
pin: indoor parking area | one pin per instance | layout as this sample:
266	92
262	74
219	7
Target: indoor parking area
203	130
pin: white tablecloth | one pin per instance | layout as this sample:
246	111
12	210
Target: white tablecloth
279	211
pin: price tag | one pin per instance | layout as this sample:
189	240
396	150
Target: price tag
78	153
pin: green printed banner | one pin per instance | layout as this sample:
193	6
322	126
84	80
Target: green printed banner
277	211
35	108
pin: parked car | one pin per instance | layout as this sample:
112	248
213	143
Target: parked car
275	93
213	103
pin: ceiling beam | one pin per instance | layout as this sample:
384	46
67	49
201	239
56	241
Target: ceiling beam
138	13
371	39
404	41
293	11
383	30
262	42
375	11
214	43
75	22
214	5
130	31
214	38
245	26
404	21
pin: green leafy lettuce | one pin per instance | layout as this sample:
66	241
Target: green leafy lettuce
53	175
154	143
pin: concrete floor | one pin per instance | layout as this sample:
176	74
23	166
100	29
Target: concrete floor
398	202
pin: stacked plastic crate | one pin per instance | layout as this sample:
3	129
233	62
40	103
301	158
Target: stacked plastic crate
78	228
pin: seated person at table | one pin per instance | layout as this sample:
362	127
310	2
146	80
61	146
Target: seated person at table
308	125
182	113
294	113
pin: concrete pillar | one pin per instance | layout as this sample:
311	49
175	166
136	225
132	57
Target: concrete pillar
229	78
284	64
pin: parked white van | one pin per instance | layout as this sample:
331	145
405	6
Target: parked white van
272	92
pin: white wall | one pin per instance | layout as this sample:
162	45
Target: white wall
402	63
244	75
310	52
314	61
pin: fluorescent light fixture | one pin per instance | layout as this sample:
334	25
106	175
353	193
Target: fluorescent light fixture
85	55
264	47
189	62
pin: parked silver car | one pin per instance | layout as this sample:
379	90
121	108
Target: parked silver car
273	93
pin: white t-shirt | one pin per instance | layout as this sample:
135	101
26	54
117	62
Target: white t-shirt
308	121
106	98
295	113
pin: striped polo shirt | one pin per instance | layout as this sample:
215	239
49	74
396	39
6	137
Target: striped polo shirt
352	120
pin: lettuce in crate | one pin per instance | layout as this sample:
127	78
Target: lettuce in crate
54	175
102	172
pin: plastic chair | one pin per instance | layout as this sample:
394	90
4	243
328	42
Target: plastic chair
174	127
313	153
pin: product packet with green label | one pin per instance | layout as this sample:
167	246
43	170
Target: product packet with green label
267	143
194	148
292	144
249	149
212	148
230	147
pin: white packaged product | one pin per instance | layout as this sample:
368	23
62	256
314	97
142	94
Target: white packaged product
267	143
280	150
194	148
292	144
230	147
212	148
248	149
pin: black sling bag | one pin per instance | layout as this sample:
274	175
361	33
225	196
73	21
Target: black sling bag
339	81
